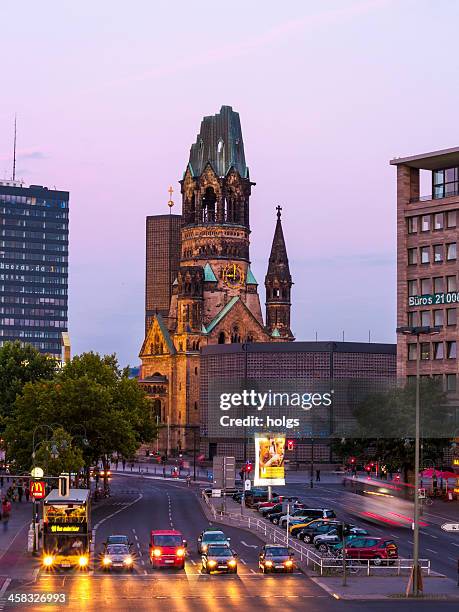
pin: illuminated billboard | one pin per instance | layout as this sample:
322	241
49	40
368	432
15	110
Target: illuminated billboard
269	459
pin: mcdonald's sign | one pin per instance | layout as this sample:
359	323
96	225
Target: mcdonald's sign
37	489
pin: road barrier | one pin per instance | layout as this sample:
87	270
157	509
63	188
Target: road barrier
307	555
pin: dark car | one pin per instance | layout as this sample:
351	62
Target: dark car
295	530
211	537
308	533
219	559
275	516
275	558
117	539
322	541
378	550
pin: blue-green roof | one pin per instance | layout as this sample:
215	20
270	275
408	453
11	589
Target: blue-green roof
275	333
222	313
251	280
209	273
165	333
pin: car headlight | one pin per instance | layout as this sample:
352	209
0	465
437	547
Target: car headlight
128	561
157	552
48	560
211	563
180	552
232	563
288	563
106	560
268	563
83	561
204	547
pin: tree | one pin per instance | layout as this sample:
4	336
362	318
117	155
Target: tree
19	365
94	401
385	426
59	454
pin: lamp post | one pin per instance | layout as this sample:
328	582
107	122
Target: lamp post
418	331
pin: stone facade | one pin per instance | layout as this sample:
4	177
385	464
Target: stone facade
214	297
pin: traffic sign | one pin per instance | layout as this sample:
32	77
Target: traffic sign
37	489
216	492
450	527
247	485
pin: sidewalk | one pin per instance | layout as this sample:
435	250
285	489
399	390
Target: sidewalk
15	561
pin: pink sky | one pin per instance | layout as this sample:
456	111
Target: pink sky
110	98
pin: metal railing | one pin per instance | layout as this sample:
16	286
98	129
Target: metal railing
308	556
431	196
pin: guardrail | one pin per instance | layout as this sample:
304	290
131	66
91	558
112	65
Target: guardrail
308	556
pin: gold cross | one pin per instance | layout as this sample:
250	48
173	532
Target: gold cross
170	191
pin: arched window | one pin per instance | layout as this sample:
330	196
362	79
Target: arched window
156	410
196	405
235	337
209	202
196	370
249	338
221	338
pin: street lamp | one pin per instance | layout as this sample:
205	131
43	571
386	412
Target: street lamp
417	331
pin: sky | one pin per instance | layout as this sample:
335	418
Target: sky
109	97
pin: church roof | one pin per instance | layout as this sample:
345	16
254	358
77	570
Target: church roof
278	259
165	333
276	333
251	280
219	143
222	313
209	273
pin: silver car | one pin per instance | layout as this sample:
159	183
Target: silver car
117	556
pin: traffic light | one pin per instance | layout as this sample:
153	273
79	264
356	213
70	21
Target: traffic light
248	467
290	445
64	485
352	460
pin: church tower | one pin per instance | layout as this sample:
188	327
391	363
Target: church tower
278	284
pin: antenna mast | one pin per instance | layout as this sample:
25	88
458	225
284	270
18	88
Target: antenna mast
14	150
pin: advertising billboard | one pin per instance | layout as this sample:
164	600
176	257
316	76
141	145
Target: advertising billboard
269	459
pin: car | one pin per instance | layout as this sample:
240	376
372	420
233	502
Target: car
117	556
378	550
322	541
218	558
308	532
275	516
167	548
275	558
310	513
212	536
254	496
296	529
260	506
118	539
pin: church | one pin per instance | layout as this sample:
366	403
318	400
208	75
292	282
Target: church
200	289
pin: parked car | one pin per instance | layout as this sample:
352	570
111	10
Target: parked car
378	550
307	533
310	513
297	528
322	541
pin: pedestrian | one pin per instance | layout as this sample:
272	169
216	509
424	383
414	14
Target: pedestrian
124	464
317	475
20	492
6	511
27	494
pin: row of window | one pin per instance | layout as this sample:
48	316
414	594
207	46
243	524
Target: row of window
449	382
11	233
38	246
437	253
32	201
33	256
34	212
445	182
32	289
23	333
32	312
427	318
30	223
14	299
34	279
33	322
424	286
433	350
437	221
33	268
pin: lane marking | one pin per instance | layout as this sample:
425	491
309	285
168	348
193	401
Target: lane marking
432	551
244	562
454	544
249	545
252	570
5	585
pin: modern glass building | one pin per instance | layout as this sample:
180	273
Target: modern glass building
34	245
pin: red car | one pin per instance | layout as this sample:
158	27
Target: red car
376	549
167	549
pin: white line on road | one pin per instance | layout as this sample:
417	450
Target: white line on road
136	537
454	544
452	559
193	561
244	562
249	545
5	585
432	551
253	571
394	536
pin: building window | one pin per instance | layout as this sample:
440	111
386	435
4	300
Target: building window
445	182
438	252
425	351
438	352
451	218
412	256
438	317
451	382
425	223
451	283
425	318
451	352
412	288
451	251
412	352
439	284
426	286
425	255
438	221
451	317
412	225
412	319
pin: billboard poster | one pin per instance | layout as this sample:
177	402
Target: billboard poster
269	460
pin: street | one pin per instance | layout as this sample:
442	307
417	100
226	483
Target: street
136	506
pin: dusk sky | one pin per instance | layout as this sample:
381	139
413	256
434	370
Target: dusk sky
109	96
